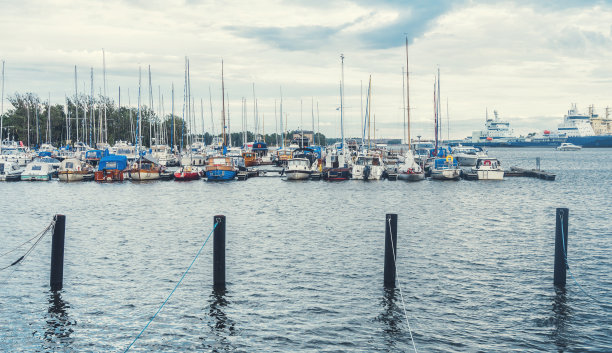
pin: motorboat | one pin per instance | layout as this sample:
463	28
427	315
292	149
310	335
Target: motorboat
368	166
488	169
112	168
188	172
37	171
467	155
566	146
220	168
72	169
146	168
10	171
445	168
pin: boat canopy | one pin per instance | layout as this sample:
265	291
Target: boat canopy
441	163
93	154
260	146
113	161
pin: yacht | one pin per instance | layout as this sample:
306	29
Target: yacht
488	169
566	146
9	171
368	167
37	171
409	169
72	169
445	169
468	155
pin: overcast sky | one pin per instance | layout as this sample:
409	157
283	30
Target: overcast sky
529	60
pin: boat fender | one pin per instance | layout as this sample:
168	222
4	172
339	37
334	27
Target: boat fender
487	162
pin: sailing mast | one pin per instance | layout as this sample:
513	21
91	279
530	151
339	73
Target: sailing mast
407	121
173	127
138	124
49	119
281	119
2	107
104	98
223	101
76	106
342	108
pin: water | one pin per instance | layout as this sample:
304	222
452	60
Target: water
305	264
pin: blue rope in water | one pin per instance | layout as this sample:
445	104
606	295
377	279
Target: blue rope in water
567	263
175	287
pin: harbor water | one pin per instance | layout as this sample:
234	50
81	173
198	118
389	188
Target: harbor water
305	264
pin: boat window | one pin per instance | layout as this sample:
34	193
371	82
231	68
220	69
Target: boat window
1	167
111	165
36	167
69	165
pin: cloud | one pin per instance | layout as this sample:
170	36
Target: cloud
288	38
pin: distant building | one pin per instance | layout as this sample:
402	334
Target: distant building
308	137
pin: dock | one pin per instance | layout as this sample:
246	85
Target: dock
515	172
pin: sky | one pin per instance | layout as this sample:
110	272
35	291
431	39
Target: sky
528	60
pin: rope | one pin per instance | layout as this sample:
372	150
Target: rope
400	286
40	236
175	287
567	263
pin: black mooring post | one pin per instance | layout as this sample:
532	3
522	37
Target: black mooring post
219	253
561	246
57	253
390	249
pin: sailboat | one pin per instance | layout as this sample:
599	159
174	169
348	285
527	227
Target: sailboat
221	168
445	167
336	166
409	169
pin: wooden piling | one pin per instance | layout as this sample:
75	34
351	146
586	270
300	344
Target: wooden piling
561	246
219	253
390	249
57	253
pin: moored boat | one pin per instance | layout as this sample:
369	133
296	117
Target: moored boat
146	168
445	169
37	171
220	168
9	171
112	168
72	169
409	169
188	172
488	169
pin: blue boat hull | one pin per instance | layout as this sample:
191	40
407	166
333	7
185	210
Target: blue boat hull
220	175
591	141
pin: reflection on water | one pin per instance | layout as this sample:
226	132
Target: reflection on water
221	326
561	315
58	324
391	317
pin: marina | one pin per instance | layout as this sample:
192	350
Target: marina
467	278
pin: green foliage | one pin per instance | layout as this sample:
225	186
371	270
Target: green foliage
85	115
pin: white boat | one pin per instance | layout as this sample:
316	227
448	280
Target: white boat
9	171
566	146
468	155
409	169
146	168
37	171
72	169
496	131
488	169
298	169
368	167
445	169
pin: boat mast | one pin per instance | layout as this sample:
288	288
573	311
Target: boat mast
435	117
212	120
318	126
92	124
276	122
407	122
104	98
223	101
138	124
173	127
342	107
2	108
281	119
76	106
369	110
49	119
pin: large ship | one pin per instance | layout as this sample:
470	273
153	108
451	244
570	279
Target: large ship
586	130
497	132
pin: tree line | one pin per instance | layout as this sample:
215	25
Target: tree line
96	120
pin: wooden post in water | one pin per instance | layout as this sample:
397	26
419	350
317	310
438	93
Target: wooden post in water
219	253
538	163
390	249
57	253
561	246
